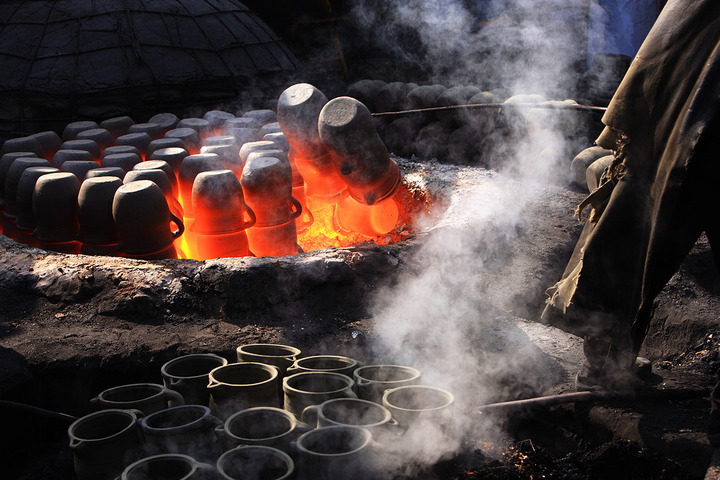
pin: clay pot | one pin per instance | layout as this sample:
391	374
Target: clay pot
185	429
330	453
73	128
350	412
22	144
68	155
173	156
189	136
263	463
325	363
101	136
26	186
229	155
166	120
154	130
371	381
139	140
79	168
188	375
116	172
191	166
237	386
94	211
117	126
54	204
169	466
268	128
145	397
50	142
267	426
221	140
162	143
5	162
200	125
217	119
86	144
159	178
262	116
242	122
217	199
143	219
243	135
163	166
103	442
126	161
13	178
119	149
282	356
313	388
410	404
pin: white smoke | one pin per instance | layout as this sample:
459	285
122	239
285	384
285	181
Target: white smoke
444	317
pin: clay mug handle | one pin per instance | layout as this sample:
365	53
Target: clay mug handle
252	220
297	207
173	396
309	415
181	226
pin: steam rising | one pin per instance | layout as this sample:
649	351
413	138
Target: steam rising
444	316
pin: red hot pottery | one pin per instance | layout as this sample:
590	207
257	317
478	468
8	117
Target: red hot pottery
55	206
94	211
142	217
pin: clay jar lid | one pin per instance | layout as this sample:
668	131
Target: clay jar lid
13	177
298	110
191	166
54	204
217	198
25	188
142	218
94	210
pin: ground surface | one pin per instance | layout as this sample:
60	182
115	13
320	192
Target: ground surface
72	326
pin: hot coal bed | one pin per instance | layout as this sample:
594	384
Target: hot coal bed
78	325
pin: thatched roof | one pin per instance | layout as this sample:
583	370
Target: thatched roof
66	59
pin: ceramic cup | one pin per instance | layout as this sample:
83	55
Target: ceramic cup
237	386
25	216
337	452
55	206
350	411
103	442
371	381
143	218
170	466
185	429
325	363
312	388
146	397
282	356
94	211
268	426
188	375
255	462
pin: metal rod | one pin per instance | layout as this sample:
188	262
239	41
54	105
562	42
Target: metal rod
588	396
480	106
37	411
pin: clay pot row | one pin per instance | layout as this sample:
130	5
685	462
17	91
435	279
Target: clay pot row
323	432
